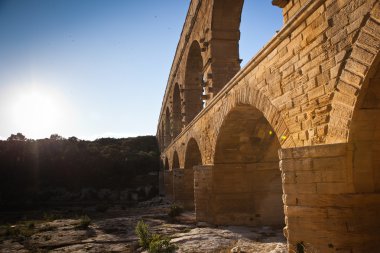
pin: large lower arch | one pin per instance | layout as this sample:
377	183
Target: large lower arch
184	189
359	60
338	184
246	95
364	134
247	187
364	141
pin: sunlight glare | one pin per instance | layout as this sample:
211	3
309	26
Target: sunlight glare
36	112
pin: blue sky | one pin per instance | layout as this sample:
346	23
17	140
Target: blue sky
98	68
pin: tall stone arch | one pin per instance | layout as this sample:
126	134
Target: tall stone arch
364	135
247	151
315	84
193	155
175	163
223	39
246	95
168	179
363	128
339	182
352	69
160	135
184	186
167	128
193	89
166	164
177	111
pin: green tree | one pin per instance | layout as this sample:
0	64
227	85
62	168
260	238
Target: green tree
56	137
17	137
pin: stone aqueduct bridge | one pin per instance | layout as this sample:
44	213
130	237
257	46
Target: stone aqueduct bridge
293	138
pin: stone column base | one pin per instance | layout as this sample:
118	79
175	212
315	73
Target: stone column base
323	211
168	182
248	194
183	188
161	184
202	192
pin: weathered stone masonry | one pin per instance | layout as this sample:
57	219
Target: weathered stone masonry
293	138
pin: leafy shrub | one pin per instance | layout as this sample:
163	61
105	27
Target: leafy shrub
161	244
50	216
143	233
17	231
84	222
154	243
186	230
12	231
175	210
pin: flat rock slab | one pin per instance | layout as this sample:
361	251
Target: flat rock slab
116	234
97	248
10	246
223	239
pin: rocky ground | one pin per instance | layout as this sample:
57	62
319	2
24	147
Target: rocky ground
113	231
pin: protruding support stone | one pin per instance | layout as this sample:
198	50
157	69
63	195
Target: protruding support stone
280	3
205	96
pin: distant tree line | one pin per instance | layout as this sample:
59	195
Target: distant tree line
30	166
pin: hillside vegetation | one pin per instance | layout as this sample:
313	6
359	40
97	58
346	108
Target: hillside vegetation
34	170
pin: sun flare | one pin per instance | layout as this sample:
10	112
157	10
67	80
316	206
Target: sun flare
36	112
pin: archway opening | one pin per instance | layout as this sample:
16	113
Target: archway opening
193	83
193	155
166	164
237	27
167	135
175	164
161	136
177	116
365	135
186	189
168	180
254	35
246	177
